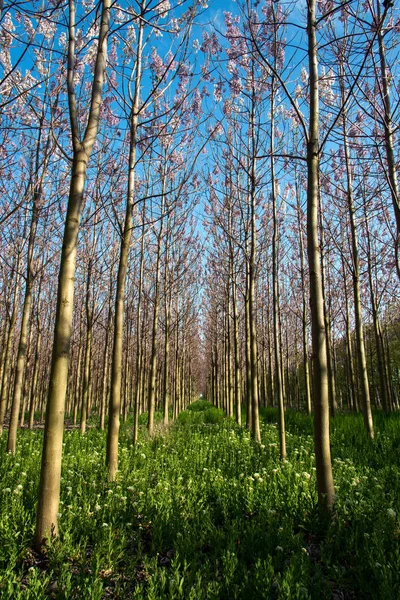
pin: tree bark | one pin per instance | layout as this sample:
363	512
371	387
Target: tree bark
362	360
153	354
34	387
139	350
275	292
306	369
49	486
236	350
320	375
389	141
8	345
379	344
116	368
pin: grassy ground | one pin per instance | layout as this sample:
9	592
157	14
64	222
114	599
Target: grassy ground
202	512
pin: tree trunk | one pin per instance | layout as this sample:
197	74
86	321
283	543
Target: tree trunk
229	356
34	386
306	369
379	345
104	384
362	360
236	350
166	354
49	486
320	379
249	406
389	141
275	293
88	349
116	368
8	346
139	351
86	378
253	355
24	332
153	354
349	346
329	349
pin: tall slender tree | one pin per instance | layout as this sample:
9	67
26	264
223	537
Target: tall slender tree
49	487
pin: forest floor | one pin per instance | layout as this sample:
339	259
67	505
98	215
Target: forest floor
203	512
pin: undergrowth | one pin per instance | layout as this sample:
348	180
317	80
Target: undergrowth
203	512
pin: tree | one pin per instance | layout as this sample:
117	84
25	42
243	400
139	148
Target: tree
49	487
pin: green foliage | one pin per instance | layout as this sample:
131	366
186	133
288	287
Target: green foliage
203	512
201	412
199	405
213	415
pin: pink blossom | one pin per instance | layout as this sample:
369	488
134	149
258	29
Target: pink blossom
196	104
47	28
218	88
205	73
157	65
216	131
88	5
40	61
163	7
29	28
325	6
113	55
183	74
236	86
211	44
62	40
227	108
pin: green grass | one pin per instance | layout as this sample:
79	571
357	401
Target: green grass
202	512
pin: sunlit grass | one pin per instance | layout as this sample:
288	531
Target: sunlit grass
203	512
